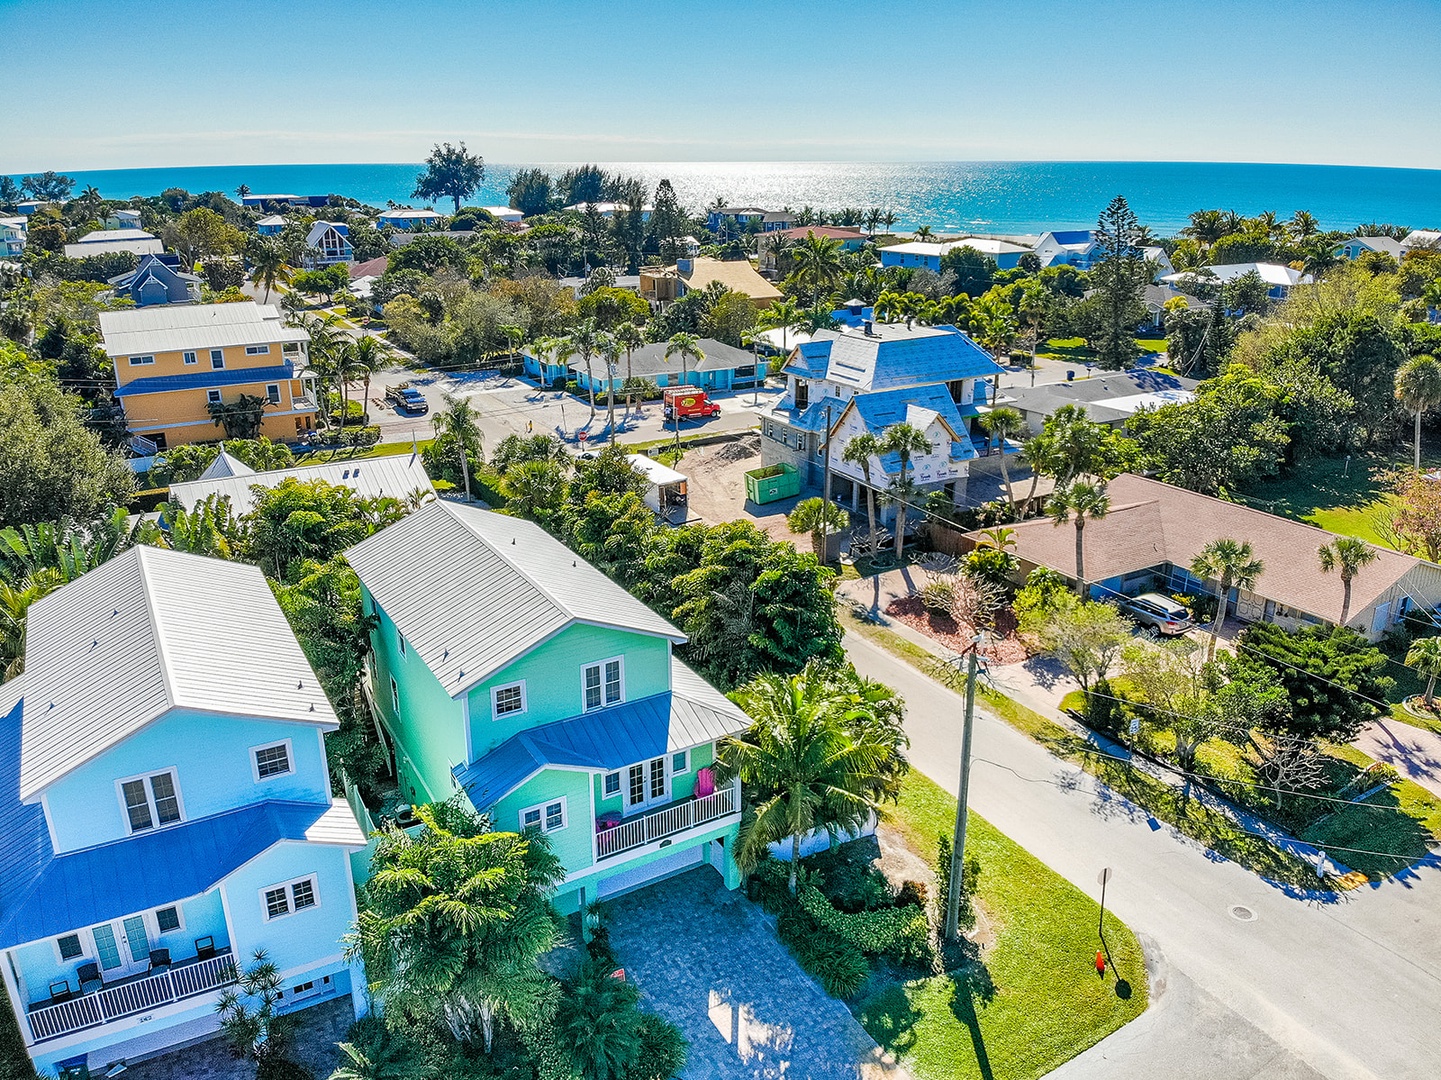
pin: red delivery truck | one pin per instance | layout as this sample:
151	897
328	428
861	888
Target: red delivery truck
687	402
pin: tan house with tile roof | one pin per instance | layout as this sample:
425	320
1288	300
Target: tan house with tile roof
1154	530
673	282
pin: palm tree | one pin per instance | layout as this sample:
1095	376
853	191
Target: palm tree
1304	225
817	264
819	518
15	600
458	420
368	355
888	219
859	452
328	342
1003	424
1347	555
386	1060
686	346
800	762
924	233
610	350
1418	389
784	315
1425	656
583	341
1231	564
268	266
873	218
242	191
904	440
629	338
1079	502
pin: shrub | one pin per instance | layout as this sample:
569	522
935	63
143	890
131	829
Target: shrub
938	596
900	931
912	892
662	1049
361	436
279	1068
838	966
598	1022
970	875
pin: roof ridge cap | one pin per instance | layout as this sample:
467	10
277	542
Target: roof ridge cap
166	676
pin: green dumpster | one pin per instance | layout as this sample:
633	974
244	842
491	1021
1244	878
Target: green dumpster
772	483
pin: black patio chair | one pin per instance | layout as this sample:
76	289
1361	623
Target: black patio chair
204	948
89	975
159	959
59	991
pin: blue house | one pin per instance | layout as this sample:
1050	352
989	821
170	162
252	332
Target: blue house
157	280
271	225
167	812
409	220
328	243
547	370
723	367
927	253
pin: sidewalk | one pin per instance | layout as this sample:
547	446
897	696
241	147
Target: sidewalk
1414	752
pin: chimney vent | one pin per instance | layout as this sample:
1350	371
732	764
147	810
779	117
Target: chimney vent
870	328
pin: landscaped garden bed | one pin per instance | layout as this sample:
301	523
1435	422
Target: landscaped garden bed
1002	644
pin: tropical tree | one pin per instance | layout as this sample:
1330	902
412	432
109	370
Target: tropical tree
925	232
1079	502
628	337
454	921
1232	565
859	452
599	1024
784	315
16	596
368	354
1038	454
450	173
250	1015
801	762
1002	424
1425	656
1418	389
817	261
584	341
610	350
819	518
1346	555
242	191
458	422
687	347
904	440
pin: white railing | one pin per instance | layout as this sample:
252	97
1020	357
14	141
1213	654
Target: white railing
128	998
657	825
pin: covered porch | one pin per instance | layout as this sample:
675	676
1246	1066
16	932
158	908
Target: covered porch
615	835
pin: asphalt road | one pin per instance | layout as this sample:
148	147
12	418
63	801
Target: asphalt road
1294	988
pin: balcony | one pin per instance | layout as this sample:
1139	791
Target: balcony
186	979
668	821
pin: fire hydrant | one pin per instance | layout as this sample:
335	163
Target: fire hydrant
1100	963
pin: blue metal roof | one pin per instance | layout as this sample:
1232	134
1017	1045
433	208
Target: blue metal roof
811	358
43	894
206	380
895	356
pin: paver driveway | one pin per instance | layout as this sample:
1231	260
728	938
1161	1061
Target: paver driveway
708	960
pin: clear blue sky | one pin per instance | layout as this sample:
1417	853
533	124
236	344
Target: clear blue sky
118	84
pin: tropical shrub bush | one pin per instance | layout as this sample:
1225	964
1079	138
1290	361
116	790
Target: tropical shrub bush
902	932
662	1049
837	965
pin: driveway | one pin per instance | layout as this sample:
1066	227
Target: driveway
708	960
1414	751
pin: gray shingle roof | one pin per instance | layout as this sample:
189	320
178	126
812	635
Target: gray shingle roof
472	590
398	476
649	360
150	631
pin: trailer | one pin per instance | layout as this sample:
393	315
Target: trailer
666	489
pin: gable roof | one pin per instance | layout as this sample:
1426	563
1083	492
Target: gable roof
1270	273
1151	522
398	475
173	327
320	228
1106	397
692	713
894	355
224	466
271	219
650	359
150	631
370	268
830	232
112	240
471	590
1384	244
163	267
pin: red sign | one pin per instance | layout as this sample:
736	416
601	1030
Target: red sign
583	436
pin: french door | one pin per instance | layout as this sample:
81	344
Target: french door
647	785
122	948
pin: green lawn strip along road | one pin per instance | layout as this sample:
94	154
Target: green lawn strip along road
1208	827
1034	1000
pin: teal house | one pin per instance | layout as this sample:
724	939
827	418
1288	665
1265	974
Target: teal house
167	811
510	670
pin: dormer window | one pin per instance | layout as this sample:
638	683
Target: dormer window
150	802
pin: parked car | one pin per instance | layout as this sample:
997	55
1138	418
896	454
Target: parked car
405	398
1158	612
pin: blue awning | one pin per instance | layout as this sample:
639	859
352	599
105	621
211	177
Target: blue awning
206	380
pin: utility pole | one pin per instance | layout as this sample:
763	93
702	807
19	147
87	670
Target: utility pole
958	840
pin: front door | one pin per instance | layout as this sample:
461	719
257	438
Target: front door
647	785
122	948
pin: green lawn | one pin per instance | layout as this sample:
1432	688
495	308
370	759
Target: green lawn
1375	826
1034	1000
1076	348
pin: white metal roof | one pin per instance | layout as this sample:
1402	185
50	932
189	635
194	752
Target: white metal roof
142	243
503	213
172	327
224	466
271	219
1270	273
472	590
100	236
402	214
149	631
399	476
699	712
654	471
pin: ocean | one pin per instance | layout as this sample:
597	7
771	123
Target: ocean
981	196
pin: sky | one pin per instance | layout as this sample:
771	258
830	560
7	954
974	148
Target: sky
93	84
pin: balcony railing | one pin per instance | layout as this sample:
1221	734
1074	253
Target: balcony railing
185	980
667	821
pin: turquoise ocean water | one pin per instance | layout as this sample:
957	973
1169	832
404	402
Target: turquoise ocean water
949	196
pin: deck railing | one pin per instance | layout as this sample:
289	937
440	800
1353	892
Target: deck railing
127	998
667	821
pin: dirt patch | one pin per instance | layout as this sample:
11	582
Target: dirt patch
740	450
900	864
1003	646
717	488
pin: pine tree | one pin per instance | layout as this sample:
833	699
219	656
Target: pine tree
1118	279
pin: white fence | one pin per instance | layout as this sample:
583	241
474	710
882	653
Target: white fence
657	825
125	999
819	840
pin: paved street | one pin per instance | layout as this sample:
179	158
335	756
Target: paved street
1268	983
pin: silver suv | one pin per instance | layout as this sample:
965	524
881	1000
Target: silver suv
1159	612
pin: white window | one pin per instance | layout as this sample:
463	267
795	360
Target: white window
603	684
257	350
395	696
150	801
190	358
508	700
217	358
212	395
612	784
288	897
141	361
548	817
272	393
400	642
271	760
680	763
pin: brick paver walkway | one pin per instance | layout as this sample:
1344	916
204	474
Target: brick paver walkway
709	961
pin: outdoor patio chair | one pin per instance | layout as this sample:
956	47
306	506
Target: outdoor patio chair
89	976
59	991
204	948
159	959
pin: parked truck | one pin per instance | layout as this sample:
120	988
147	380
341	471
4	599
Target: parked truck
406	399
686	403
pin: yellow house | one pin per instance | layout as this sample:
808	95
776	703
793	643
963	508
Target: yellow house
688	275
172	361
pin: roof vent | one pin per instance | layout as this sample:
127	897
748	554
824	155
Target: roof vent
870	328
300	685
312	706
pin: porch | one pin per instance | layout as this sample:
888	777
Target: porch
613	838
126	997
